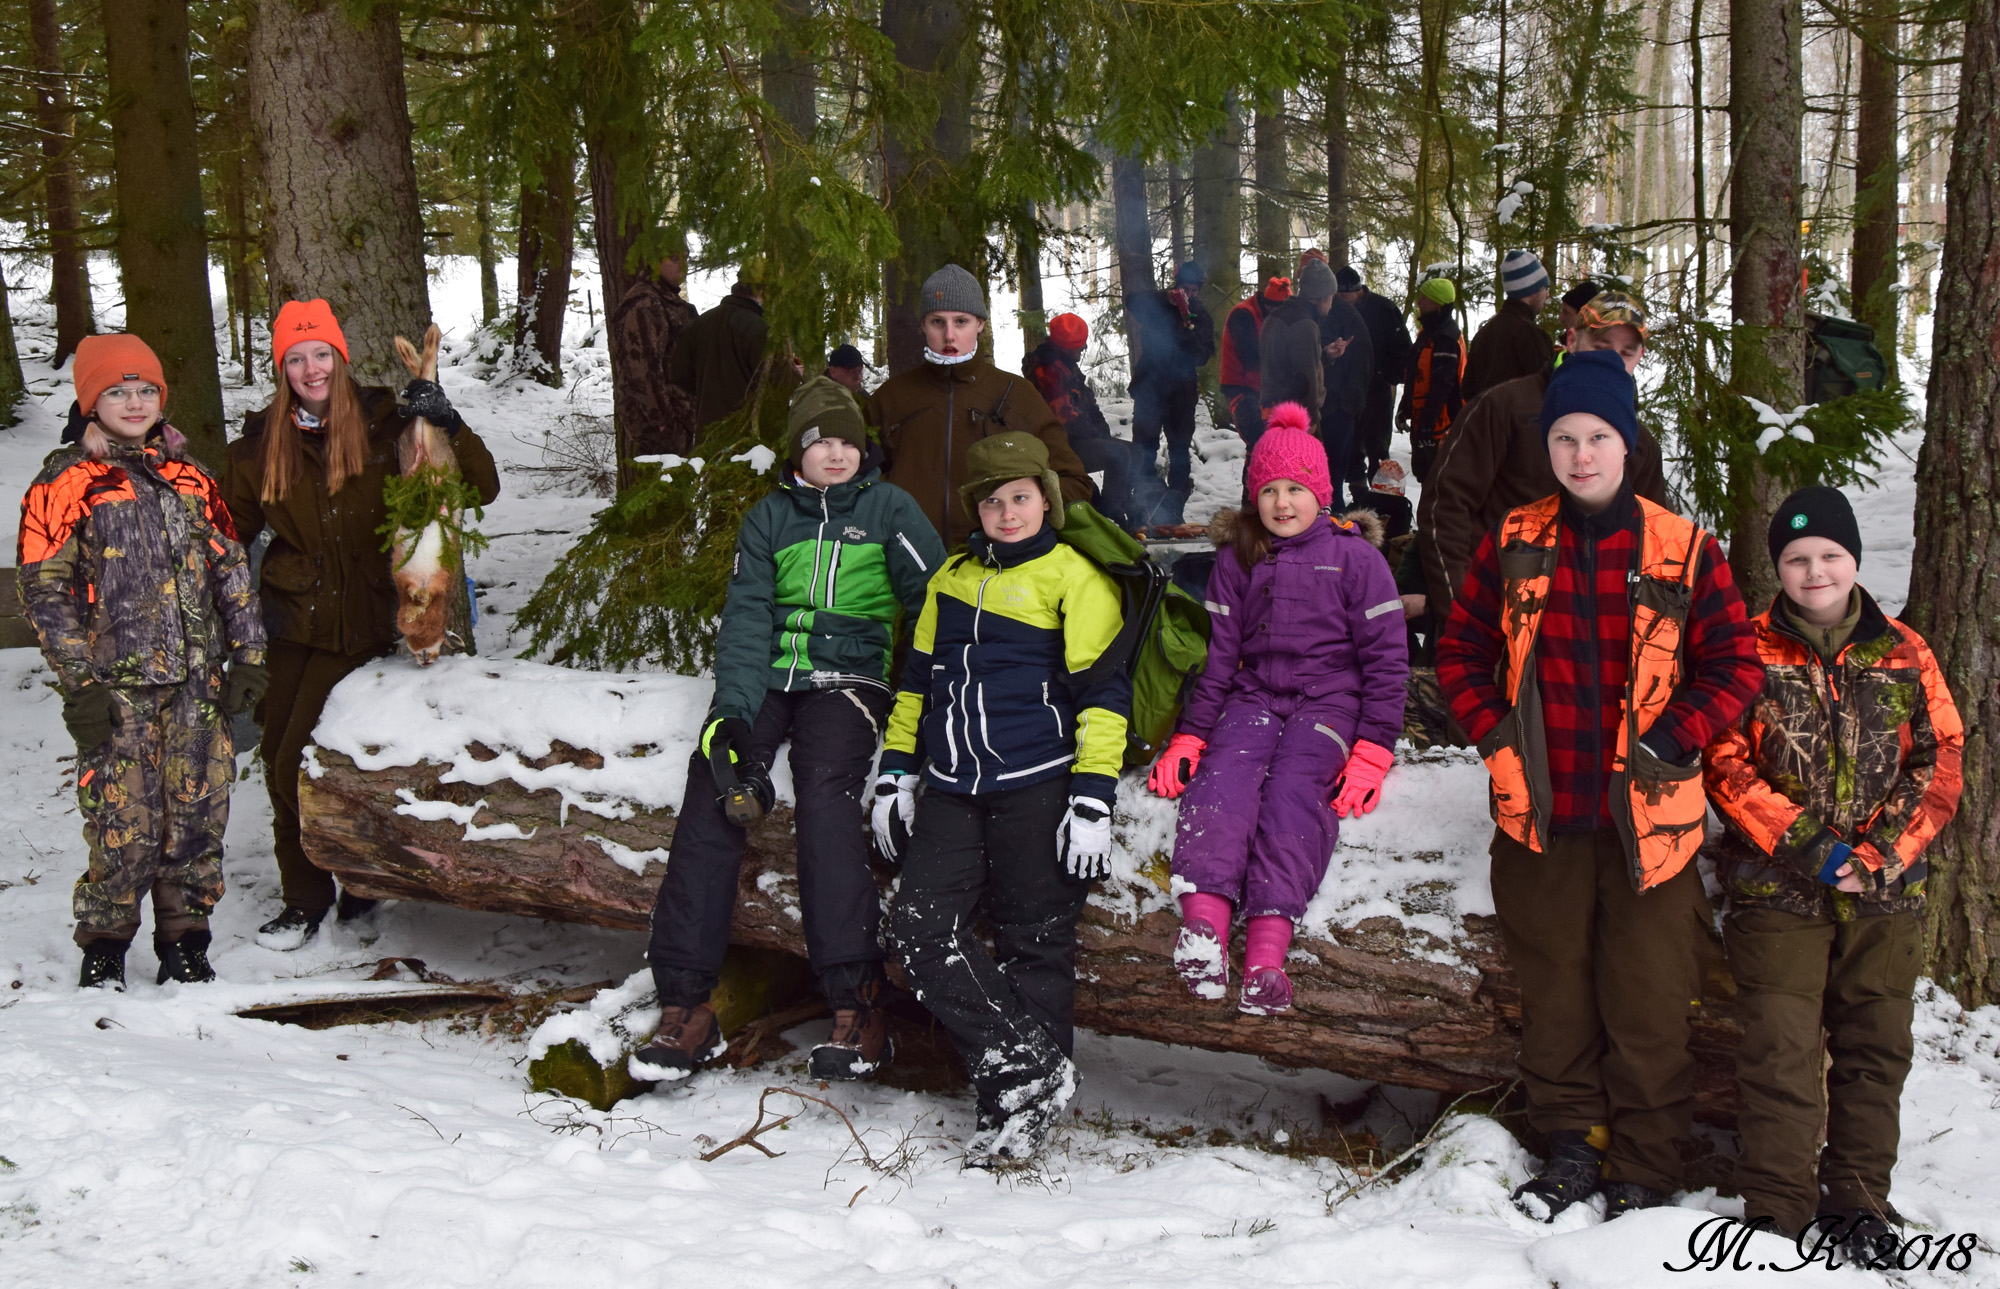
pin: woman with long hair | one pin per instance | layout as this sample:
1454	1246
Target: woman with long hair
140	593
310	468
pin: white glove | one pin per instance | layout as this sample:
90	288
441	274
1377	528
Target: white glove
1083	839
894	814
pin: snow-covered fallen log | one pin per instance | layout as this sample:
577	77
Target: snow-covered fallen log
518	788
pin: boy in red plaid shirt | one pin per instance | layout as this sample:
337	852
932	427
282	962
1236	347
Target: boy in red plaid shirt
1596	647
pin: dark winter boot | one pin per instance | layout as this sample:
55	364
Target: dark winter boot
1863	1236
858	1046
104	965
290	929
1627	1197
351	907
689	1038
1027	1114
185	960
1574	1171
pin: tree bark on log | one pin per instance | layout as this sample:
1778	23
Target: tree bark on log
1373	1002
339	179
1955	578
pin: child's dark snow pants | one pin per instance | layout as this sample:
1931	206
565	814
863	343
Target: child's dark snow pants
155	801
1796	976
834	733
1255	826
1011	1013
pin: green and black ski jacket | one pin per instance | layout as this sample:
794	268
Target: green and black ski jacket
820	576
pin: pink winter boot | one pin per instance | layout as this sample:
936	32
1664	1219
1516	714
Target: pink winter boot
1267	990
1201	954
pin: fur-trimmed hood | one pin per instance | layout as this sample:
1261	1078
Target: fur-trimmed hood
1222	526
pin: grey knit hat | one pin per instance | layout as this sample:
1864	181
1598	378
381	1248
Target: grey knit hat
952	290
1521	274
1315	280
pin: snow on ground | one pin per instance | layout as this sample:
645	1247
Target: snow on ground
158	1138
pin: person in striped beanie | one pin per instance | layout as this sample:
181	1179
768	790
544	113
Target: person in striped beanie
1511	343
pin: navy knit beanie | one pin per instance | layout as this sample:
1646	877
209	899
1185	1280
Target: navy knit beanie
1815	512
1595	382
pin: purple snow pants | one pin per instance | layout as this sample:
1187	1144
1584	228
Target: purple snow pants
1255	825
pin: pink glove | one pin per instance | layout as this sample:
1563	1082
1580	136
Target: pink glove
1176	766
1358	790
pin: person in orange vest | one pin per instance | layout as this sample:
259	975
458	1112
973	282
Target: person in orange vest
1431	399
1597	646
1242	358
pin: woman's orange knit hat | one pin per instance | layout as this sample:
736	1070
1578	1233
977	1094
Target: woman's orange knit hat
104	361
303	320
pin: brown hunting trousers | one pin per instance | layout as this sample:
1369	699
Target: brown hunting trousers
1610	982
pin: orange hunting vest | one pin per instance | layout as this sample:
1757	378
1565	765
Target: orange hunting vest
1658	809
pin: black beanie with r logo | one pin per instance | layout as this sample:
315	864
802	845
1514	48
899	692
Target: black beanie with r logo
1815	512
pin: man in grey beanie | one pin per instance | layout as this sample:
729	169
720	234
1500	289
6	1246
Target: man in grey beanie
1292	362
930	416
1511	344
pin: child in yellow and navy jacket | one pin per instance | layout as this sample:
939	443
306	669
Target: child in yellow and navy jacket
1018	741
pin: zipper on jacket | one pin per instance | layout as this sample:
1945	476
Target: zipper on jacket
950	428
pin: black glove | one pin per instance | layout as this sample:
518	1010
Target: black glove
89	715
424	398
244	687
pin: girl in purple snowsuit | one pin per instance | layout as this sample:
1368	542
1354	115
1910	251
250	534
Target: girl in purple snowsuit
1290	727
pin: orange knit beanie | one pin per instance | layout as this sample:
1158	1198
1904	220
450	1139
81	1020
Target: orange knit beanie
104	361
303	320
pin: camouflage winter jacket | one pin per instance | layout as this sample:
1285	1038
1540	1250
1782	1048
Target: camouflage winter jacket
131	571
1864	751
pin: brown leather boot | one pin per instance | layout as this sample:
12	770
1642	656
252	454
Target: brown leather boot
858	1046
688	1039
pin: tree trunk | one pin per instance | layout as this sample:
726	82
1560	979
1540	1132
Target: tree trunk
333	129
1034	316
790	78
489	254
930	39
233	178
1374	1001
12	386
1132	235
1274	221
162	234
1584	45
1339	238
1217	202
1877	213
1176	214
547	246
1955	582
1768	349
69	272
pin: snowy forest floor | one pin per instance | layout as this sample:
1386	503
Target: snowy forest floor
158	1138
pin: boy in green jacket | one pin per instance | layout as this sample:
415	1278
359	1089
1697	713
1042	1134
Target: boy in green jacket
823	566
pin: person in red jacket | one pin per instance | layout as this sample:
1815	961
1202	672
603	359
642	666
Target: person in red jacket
1242	358
1591	663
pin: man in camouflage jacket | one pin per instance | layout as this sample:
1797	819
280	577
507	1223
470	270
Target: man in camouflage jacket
654	414
135	582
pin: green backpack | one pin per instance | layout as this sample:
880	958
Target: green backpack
1843	358
1163	643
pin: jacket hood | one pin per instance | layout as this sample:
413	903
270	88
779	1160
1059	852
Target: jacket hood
1367	525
